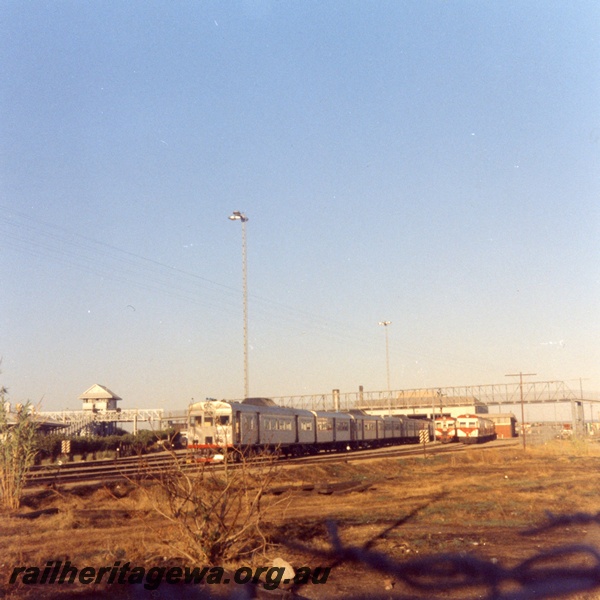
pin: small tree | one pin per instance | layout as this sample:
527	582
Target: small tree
218	510
17	451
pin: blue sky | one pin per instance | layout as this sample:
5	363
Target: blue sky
430	163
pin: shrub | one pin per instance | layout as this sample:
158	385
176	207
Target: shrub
217	511
17	452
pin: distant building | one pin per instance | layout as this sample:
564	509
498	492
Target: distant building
99	399
506	424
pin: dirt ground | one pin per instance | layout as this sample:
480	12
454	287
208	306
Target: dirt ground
451	526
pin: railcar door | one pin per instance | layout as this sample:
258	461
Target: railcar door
259	432
237	424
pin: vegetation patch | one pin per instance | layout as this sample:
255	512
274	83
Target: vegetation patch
475	505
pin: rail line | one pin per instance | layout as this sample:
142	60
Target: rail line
104	470
149	465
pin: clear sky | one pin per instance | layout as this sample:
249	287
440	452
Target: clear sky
430	163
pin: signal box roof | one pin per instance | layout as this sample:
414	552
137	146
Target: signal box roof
99	392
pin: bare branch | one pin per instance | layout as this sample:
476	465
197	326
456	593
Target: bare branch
217	511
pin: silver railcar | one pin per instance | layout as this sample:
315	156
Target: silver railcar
214	427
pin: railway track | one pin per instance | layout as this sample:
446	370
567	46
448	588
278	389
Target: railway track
401	452
143	466
103	470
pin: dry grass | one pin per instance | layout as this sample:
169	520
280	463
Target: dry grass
477	502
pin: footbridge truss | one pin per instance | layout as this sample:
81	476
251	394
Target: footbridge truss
74	422
493	396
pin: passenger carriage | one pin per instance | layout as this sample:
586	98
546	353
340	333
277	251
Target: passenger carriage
392	429
411	429
367	430
333	430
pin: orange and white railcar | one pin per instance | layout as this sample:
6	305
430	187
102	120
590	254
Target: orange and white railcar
445	429
471	429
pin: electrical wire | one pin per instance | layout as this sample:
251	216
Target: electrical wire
99	258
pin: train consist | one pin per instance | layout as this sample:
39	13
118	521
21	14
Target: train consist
469	429
258	423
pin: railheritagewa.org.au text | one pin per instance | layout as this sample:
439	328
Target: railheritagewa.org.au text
59	573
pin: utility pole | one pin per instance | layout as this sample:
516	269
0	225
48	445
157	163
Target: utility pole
520	375
440	395
387	363
238	216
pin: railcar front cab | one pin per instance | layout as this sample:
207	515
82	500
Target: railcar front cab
445	429
210	430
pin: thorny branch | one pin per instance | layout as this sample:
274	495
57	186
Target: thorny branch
548	574
218	512
554	521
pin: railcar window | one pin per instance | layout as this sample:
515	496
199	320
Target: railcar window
342	425
208	421
324	424
306	425
223	420
196	420
249	422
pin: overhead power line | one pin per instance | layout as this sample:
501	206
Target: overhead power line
49	241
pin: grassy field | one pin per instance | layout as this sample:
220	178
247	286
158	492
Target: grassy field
393	513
